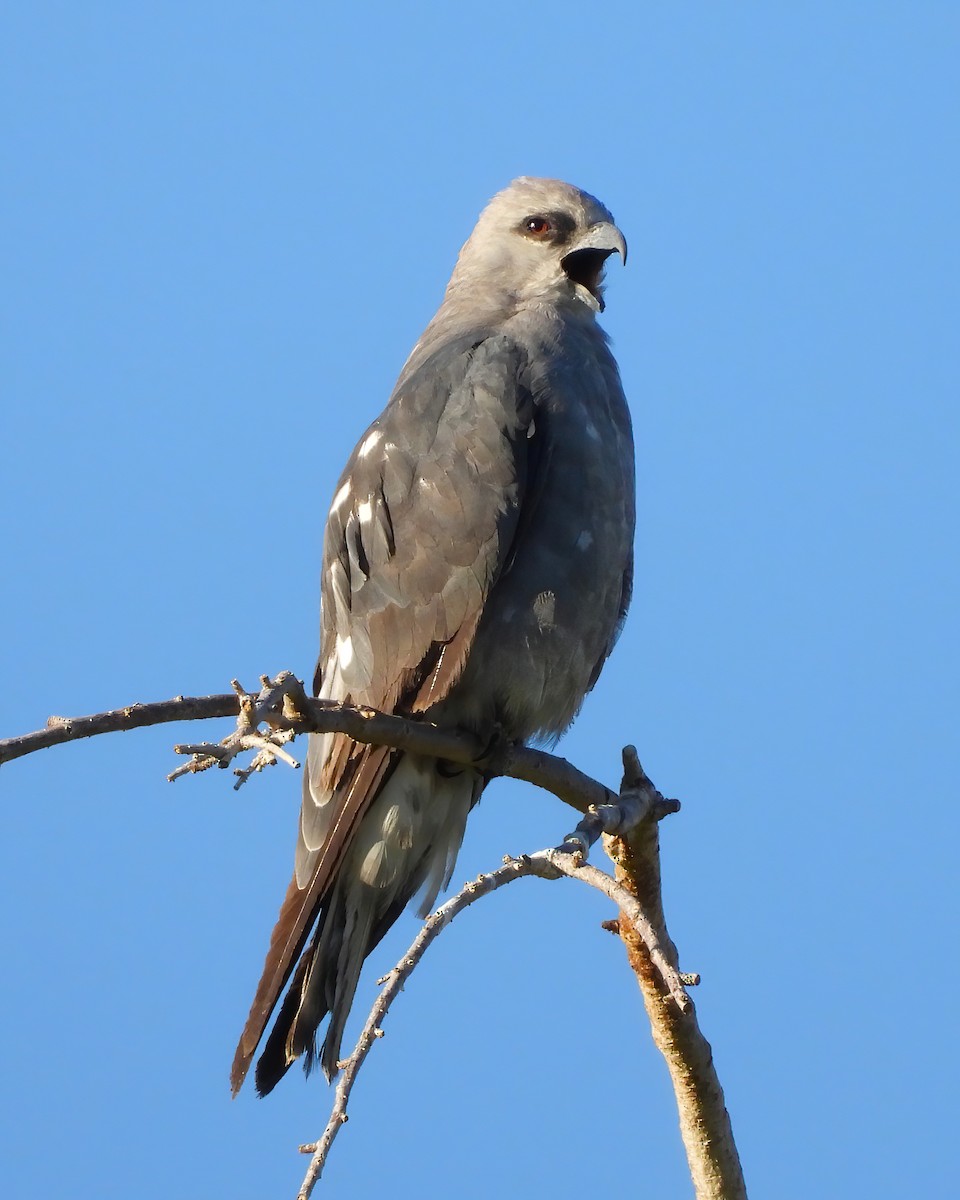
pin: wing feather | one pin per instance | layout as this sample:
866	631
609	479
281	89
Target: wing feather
422	525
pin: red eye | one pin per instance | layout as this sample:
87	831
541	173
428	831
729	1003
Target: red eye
538	226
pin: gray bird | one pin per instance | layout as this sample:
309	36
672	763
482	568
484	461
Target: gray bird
477	568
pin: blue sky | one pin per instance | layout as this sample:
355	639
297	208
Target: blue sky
224	227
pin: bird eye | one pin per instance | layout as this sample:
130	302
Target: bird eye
538	226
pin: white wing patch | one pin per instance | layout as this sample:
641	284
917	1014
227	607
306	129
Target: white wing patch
544	609
316	813
344	652
368	443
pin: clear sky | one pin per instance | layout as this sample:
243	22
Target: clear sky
224	227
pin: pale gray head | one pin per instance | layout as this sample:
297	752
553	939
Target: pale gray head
540	240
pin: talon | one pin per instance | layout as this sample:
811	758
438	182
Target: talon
496	744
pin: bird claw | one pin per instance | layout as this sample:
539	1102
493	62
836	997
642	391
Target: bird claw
494	749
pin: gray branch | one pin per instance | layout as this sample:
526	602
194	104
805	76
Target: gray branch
628	821
545	864
283	705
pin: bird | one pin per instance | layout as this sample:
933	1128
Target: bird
477	568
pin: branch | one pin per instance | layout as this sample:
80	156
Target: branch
133	716
546	864
285	707
629	821
704	1121
633	819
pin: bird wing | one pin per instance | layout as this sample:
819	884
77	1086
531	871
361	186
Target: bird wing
420	528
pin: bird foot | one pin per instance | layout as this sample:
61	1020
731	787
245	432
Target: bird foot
494	749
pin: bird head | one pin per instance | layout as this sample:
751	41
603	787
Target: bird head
541	240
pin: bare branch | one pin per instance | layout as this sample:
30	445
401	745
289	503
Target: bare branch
546	864
133	716
284	706
704	1121
573	866
276	706
638	801
285	710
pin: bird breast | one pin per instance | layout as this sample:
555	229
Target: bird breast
553	615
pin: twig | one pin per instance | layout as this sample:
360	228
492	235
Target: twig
572	866
276	700
546	864
133	716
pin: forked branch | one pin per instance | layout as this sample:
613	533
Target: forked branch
546	864
628	821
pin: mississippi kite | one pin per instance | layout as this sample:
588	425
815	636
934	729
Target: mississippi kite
476	571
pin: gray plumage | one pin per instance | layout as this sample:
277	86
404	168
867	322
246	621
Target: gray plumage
476	570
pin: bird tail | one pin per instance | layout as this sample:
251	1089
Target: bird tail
407	841
325	981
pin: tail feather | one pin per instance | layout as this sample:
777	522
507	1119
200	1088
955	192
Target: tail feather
302	905
340	965
406	841
274	1061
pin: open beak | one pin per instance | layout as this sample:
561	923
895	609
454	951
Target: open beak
583	264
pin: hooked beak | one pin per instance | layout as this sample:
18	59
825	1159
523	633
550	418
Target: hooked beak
583	264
